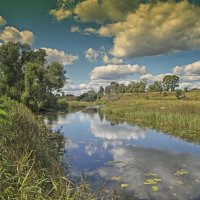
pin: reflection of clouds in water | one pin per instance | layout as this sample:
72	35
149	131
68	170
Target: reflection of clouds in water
103	129
91	149
131	163
71	118
113	143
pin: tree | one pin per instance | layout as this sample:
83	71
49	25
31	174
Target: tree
155	87
10	70
92	95
100	93
108	90
26	76
170	82
122	88
114	88
55	76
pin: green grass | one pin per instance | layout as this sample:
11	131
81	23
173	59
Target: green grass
30	165
164	113
77	105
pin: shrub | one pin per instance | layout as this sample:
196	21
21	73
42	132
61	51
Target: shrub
63	104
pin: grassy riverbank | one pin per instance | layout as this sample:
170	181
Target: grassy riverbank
157	111
30	165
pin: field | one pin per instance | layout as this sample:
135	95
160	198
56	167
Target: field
163	112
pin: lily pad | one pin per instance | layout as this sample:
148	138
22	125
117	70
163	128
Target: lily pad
116	178
124	186
152	181
150	174
155	188
180	172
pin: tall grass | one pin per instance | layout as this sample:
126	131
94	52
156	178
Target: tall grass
179	118
30	166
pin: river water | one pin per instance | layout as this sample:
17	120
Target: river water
138	163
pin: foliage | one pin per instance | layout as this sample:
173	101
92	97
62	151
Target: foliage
100	93
132	87
170	82
63	105
88	96
26	76
155	87
179	94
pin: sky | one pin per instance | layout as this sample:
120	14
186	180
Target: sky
100	41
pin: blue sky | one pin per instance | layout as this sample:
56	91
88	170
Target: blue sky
123	37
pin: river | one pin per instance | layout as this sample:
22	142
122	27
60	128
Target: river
136	162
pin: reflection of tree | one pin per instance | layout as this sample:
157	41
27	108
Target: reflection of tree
90	110
101	115
51	118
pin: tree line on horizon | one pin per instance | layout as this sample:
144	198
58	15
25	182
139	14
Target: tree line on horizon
169	83
27	76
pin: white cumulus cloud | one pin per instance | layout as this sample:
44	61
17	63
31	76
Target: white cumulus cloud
113	60
162	28
14	35
190	69
116	72
91	54
60	56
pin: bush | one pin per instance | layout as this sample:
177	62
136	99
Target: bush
179	94
63	104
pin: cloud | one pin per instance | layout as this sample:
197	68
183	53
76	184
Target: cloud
162	28
77	89
151	78
2	21
115	61
60	13
116	72
190	69
90	30
14	35
91	54
188	73
96	10
60	56
91	149
112	10
103	129
75	29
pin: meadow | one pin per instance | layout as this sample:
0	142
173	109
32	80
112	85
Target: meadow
159	111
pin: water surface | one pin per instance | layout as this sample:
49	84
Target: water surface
152	165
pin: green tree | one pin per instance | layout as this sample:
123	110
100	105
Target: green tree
108	90
10	70
155	87
170	82
100	93
26	76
